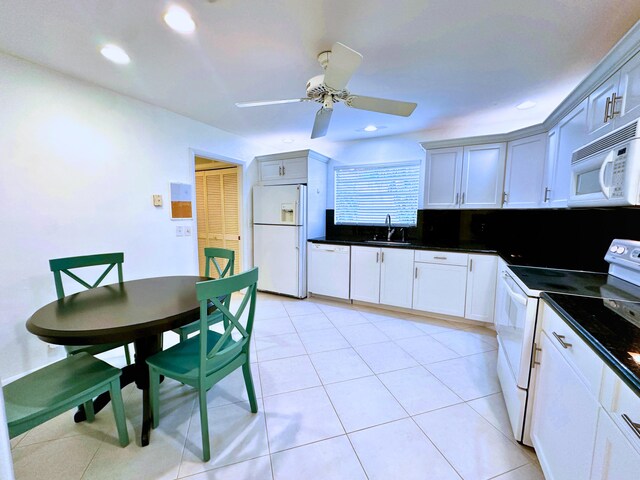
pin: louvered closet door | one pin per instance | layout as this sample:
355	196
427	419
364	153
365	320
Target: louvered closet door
231	214
217	208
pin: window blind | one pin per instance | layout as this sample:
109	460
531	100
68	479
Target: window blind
366	195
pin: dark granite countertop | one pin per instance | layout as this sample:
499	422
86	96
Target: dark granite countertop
450	246
602	324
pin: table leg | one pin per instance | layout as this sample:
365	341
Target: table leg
145	347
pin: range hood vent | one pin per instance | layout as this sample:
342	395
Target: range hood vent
614	138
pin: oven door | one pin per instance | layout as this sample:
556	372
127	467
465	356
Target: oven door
515	326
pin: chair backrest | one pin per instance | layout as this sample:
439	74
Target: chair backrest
218	292
64	265
212	255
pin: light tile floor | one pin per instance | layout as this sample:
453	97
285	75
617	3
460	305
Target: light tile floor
345	392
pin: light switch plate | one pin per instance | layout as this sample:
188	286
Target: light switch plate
180	231
187	231
157	200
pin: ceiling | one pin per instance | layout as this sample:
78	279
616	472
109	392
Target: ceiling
462	61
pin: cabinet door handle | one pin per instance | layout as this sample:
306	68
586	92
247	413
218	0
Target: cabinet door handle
534	360
462	199
614	99
471	264
457	198
560	338
283	170
416	274
606	110
635	427
377	257
280	170
505	197
382	258
440	258
547	190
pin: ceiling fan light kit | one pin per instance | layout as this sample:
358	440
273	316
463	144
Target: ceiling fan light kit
339	66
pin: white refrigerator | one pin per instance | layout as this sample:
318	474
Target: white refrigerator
280	237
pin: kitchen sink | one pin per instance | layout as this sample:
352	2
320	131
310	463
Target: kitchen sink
385	242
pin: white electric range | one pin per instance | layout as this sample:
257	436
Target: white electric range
517	298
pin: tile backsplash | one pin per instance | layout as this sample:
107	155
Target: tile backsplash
567	238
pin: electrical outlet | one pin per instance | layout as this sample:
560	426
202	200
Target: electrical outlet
157	200
180	231
187	231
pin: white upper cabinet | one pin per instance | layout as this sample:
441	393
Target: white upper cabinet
616	102
469	177
600	108
630	91
523	186
285	171
443	175
569	134
483	176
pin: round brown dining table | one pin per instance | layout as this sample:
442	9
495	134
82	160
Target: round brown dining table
136	311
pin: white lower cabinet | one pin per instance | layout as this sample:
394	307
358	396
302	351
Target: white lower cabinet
613	456
382	275
396	277
481	287
583	415
565	416
440	288
365	274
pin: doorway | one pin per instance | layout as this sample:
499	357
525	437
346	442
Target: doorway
218	208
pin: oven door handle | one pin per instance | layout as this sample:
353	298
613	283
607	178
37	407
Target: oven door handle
603	187
518	298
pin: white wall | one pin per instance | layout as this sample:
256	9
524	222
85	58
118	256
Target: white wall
78	166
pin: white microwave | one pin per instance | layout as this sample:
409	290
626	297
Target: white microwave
606	172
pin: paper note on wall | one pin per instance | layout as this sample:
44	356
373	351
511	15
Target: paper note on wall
181	206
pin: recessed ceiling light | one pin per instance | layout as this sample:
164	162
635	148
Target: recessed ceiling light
115	54
287	140
179	20
526	105
370	128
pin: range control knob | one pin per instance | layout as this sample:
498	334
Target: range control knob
620	250
613	249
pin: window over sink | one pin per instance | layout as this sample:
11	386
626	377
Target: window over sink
365	195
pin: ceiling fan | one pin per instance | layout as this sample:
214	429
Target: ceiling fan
339	65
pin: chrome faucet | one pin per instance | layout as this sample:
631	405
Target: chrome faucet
390	230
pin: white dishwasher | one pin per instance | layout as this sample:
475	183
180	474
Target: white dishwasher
329	269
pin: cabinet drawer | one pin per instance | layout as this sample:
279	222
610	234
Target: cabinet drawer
445	258
622	404
579	355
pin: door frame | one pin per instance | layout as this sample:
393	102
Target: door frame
193	153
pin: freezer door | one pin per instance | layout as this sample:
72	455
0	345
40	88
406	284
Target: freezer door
278	254
279	204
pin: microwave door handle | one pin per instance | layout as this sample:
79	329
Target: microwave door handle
518	298
603	187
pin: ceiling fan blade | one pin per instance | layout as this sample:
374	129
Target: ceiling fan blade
343	62
321	125
271	102
382	105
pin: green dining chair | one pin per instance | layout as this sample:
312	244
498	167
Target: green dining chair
65	265
205	359
212	256
46	393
